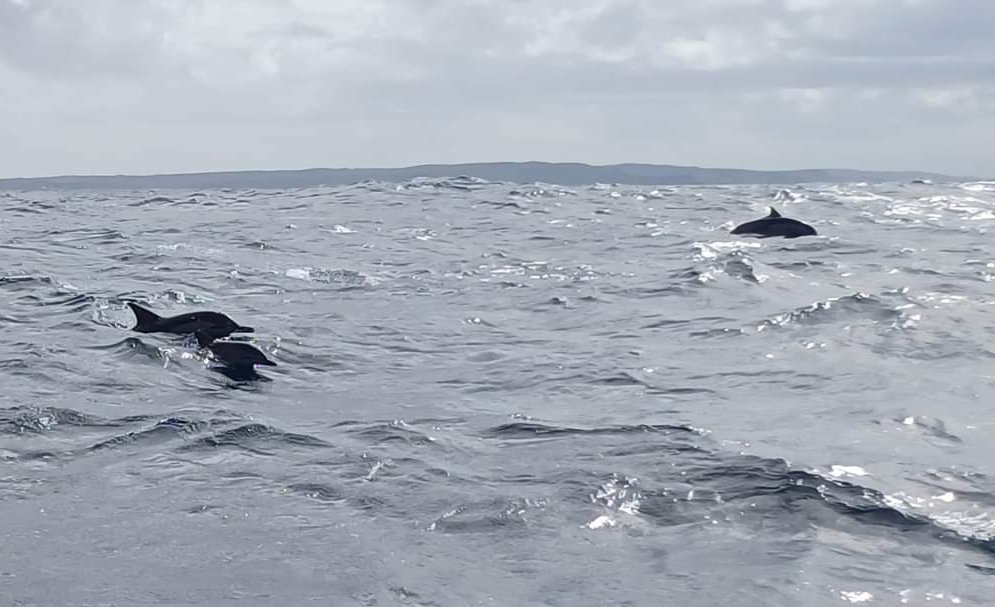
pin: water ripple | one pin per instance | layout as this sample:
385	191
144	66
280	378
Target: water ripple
568	395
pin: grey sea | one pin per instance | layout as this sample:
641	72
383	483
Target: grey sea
501	394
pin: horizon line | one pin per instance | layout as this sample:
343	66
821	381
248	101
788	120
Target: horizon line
472	164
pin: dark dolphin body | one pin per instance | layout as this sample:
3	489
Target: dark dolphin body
238	359
213	324
775	225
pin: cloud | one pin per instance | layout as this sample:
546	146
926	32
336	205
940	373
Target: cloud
223	84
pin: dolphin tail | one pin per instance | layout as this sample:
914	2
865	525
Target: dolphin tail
146	320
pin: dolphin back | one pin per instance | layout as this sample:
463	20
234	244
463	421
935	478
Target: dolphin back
775	224
750	227
146	320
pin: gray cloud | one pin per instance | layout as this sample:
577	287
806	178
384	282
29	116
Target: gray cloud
175	85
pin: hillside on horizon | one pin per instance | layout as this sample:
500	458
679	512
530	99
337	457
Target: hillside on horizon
560	173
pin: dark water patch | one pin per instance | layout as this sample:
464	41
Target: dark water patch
255	438
682	323
652	292
130	347
527	382
155	200
622	379
394	431
317	491
717	333
22	488
14	364
846	308
25	280
203	508
98	235
933	428
799	265
75	432
403	595
137	257
75	302
297	357
26	419
743	488
492	516
25	209
628	379
742	269
982	569
823	243
697	483
922	271
162	431
501	204
531	430
8	319
681	391
761	376
435	422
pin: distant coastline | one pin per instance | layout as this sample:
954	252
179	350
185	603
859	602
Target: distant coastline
560	173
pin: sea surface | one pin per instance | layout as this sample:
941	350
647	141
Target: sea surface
501	394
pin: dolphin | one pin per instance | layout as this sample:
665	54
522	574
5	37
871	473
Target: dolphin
775	225
236	356
213	324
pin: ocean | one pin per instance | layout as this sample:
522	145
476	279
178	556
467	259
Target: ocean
491	393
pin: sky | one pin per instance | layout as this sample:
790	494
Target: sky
166	86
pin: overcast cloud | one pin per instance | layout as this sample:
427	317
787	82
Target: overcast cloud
142	86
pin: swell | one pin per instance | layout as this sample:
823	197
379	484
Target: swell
521	258
182	433
523	430
698	482
703	483
845	308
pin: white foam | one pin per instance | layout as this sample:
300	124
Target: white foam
857	596
601	522
839	471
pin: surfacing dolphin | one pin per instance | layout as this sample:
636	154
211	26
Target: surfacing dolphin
212	324
775	225
238	359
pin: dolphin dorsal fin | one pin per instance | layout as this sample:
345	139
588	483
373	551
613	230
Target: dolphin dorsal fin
774	213
145	320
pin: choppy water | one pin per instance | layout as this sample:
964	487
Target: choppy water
497	394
